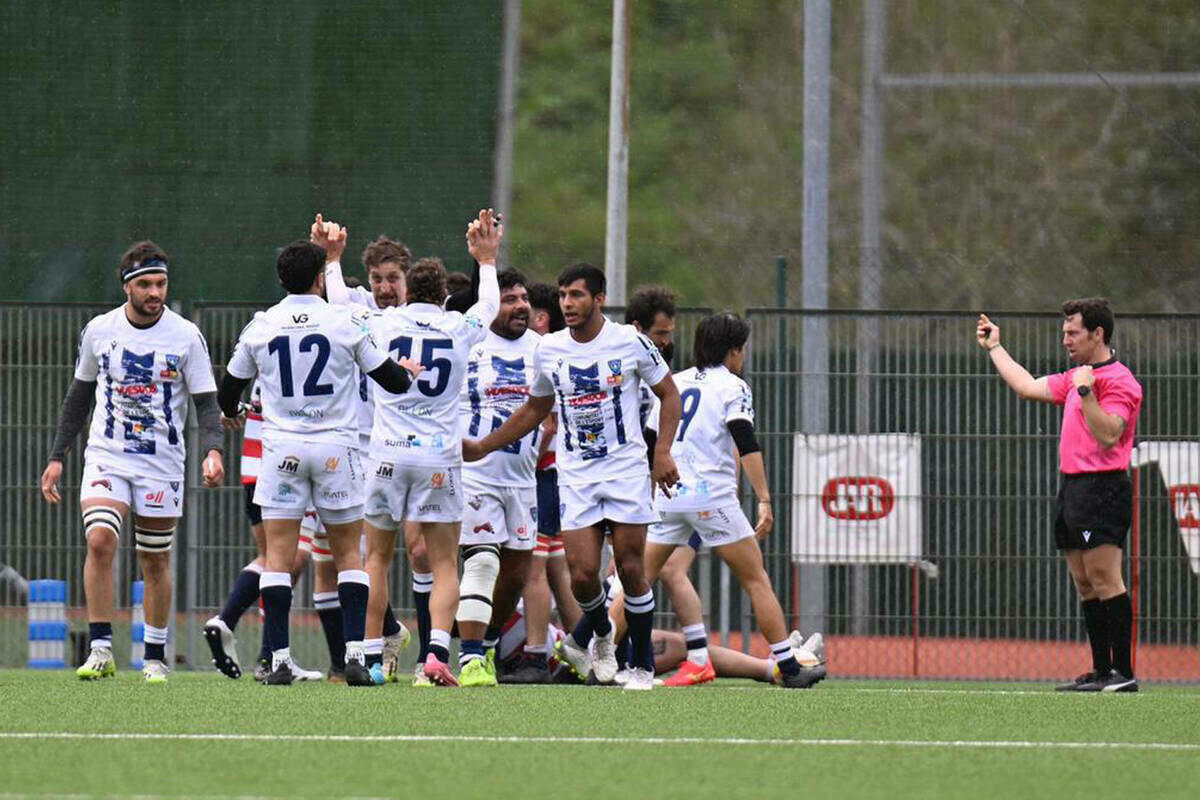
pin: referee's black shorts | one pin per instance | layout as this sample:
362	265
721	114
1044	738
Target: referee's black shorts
1094	508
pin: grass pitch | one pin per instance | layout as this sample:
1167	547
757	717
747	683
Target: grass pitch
205	736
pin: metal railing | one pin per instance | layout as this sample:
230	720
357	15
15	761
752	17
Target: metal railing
1001	605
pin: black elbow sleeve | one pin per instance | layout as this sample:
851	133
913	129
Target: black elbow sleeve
391	377
229	394
742	431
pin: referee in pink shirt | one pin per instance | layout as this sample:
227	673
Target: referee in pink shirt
1101	400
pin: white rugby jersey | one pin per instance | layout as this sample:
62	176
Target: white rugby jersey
703	449
421	426
305	353
144	377
499	373
252	437
596	385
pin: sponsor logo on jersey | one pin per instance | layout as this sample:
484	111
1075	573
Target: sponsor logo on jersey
858	498
137	389
522	533
614	366
299	319
171	370
487	526
412	441
331	464
289	466
174	486
438	441
105	482
155	499
586	399
437	480
308	412
386	470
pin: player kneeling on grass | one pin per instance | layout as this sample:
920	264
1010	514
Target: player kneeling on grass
141	361
305	352
718	416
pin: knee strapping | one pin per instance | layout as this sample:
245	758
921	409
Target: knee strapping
481	566
153	541
102	517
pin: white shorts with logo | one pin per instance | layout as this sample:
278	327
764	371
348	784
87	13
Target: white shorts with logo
504	515
295	476
148	497
715	526
412	493
622	500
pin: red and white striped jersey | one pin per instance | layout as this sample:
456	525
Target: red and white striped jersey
252	437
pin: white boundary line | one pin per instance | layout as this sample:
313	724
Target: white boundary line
614	740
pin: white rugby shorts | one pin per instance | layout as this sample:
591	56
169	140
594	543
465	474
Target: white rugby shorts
148	497
622	500
412	493
295	476
715	526
504	515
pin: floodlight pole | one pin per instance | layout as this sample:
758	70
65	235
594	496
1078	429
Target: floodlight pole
617	222
505	131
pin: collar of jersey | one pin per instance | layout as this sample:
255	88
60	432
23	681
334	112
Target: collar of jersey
302	299
428	308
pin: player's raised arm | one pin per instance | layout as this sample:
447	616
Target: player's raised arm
331	237
523	420
987	334
483	242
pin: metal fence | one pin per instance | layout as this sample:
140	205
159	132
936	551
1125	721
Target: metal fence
991	598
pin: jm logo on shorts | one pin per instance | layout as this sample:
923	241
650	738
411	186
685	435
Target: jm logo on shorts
385	471
289	465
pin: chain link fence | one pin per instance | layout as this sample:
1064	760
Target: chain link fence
988	597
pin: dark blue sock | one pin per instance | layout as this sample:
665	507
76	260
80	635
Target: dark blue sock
640	628
100	631
277	604
264	651
624	651
243	595
154	652
335	636
583	631
424	622
353	597
391	625
441	653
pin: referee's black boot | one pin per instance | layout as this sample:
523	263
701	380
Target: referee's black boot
1073	686
806	678
1117	682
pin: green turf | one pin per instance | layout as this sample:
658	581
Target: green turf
208	704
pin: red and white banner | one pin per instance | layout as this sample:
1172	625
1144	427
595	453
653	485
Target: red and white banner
1179	465
858	499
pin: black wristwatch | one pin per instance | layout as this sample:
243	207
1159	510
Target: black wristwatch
1084	391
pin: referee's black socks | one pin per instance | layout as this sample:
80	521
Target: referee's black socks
1118	612
1096	620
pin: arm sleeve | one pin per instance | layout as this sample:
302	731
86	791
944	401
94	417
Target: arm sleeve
480	315
336	291
651	367
742	431
72	418
230	393
86	366
197	370
1059	385
391	376
541	386
208	415
651	437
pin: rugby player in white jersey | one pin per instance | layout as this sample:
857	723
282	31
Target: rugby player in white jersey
718	416
416	456
387	263
141	362
499	526
305	353
593	370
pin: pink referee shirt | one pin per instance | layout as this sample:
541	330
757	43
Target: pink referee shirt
1118	392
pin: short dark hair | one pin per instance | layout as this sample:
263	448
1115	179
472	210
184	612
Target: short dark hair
140	252
298	265
383	250
427	281
1095	313
716	335
544	297
592	276
510	278
648	303
457	281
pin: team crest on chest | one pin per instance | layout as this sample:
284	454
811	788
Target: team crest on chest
614	366
171	370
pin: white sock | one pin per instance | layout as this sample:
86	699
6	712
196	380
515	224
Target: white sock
697	638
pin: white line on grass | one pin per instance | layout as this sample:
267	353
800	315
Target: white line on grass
641	740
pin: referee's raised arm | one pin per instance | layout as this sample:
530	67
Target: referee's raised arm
987	333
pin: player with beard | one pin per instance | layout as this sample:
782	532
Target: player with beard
141	361
500	518
594	370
